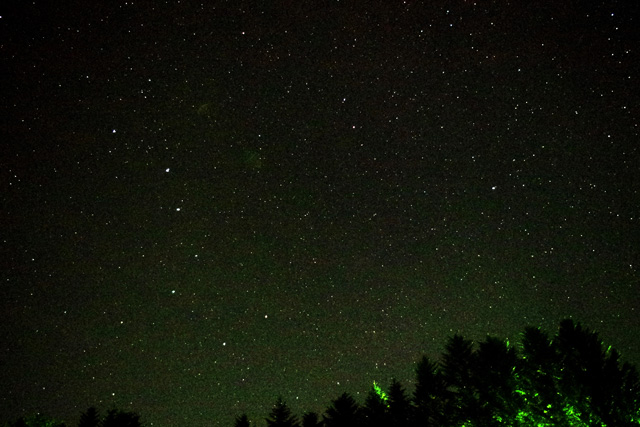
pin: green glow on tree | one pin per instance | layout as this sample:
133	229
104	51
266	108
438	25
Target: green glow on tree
381	394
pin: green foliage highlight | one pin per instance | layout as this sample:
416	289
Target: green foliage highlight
570	380
381	394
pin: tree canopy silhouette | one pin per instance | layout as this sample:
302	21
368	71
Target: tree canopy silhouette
375	411
37	420
399	405
242	421
117	418
569	380
311	419
343	412
281	415
429	397
90	418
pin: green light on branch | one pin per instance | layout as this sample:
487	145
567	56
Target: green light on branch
381	394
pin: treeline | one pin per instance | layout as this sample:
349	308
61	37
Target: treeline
569	380
90	418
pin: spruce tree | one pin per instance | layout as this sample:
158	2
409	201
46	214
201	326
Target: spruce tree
91	418
343	412
399	405
242	421
311	419
281	415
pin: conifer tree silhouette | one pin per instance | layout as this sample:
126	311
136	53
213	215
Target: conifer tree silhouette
540	368
430	394
400	410
117	418
569	380
90	418
629	398
281	415
311	419
374	412
343	412
591	379
457	368
242	421
495	381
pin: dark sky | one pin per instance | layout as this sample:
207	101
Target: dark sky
205	207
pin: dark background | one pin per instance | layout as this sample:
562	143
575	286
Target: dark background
204	207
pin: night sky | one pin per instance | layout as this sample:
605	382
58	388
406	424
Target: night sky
206	206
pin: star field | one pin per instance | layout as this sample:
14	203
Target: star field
206	206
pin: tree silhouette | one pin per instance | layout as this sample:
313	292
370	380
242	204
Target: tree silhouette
20	422
629	401
242	421
117	418
38	420
374	412
281	415
343	412
429	395
611	398
399	405
457	369
591	379
570	380
311	419
495	381
91	418
539	370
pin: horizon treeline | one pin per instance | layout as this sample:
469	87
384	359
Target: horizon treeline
90	418
568	380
